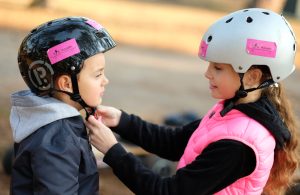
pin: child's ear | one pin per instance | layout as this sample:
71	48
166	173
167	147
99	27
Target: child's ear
253	77
64	83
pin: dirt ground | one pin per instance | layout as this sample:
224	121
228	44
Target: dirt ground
153	71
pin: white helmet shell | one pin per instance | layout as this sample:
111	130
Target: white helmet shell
251	37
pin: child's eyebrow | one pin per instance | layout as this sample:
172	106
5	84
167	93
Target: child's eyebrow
99	69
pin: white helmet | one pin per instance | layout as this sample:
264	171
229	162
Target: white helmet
251	37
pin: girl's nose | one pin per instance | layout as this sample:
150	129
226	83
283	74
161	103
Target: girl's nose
207	73
105	80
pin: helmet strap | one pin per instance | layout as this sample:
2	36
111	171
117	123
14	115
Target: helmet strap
75	96
242	93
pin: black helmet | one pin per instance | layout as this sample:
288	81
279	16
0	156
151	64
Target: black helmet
59	47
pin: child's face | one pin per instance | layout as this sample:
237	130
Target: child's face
223	80
92	80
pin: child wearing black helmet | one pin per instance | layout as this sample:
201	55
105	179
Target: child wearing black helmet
62	62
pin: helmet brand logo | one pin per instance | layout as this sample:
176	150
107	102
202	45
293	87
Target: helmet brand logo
38	71
63	51
261	48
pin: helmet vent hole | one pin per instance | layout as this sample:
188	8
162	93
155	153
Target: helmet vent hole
209	38
33	30
245	10
249	19
229	20
294	47
267	13
277	78
49	23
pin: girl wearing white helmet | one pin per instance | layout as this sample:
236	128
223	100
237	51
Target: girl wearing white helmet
246	144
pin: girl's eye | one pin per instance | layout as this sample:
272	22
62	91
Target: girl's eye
218	68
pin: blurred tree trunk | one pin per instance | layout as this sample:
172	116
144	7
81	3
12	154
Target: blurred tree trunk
274	5
38	3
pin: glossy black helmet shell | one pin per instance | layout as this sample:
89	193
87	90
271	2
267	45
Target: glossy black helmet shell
60	47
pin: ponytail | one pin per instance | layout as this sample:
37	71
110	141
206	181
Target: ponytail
285	159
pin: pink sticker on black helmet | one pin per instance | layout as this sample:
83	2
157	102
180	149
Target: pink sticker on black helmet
261	48
94	24
202	49
63	51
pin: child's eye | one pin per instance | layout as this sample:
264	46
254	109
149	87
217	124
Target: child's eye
98	75
218	68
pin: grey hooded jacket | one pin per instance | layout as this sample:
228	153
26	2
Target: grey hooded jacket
52	152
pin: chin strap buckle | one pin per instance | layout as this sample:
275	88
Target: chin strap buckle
90	111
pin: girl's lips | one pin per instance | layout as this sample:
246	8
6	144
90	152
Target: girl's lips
212	86
102	93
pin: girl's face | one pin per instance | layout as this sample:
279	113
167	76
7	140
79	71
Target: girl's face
223	80
92	80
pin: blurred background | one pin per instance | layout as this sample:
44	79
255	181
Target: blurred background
154	71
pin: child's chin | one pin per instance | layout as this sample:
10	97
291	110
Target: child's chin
95	103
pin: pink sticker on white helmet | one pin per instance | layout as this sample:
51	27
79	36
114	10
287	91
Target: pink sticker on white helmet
261	48
63	51
202	49
94	24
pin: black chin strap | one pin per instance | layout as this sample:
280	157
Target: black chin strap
242	93
75	96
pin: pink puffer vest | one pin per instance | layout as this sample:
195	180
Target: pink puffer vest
236	126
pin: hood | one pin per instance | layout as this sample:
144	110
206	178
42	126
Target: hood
264	112
29	112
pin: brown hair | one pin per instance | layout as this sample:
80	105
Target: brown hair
285	159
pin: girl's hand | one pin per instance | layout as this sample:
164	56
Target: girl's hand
110	116
101	137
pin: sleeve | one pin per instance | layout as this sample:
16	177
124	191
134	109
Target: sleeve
220	164
56	168
164	141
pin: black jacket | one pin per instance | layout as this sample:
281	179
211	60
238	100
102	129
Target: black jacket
220	164
55	159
